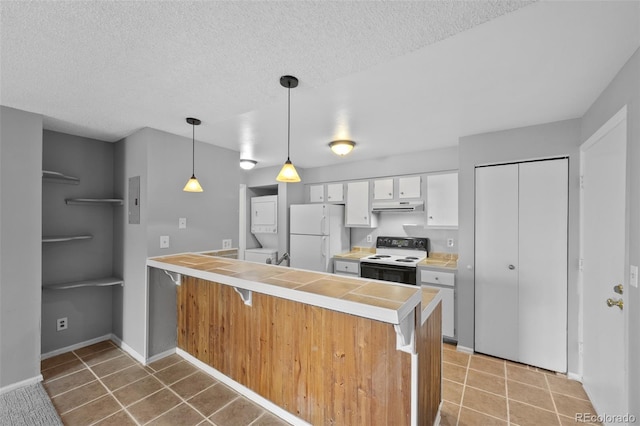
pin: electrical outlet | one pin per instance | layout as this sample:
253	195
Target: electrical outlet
226	244
164	241
62	324
182	223
450	242
369	238
633	276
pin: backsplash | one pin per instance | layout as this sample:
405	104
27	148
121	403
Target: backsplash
405	225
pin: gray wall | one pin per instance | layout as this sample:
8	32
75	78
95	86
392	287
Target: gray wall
89	310
20	245
405	164
163	161
542	141
625	90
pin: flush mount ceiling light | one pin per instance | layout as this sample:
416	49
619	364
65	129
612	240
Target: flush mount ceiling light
342	147
247	164
288	173
192	184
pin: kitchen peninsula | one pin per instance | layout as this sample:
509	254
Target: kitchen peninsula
327	349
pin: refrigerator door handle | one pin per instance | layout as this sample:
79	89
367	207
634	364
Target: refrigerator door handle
323	247
323	225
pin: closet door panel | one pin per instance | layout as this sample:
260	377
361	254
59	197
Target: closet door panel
496	261
543	204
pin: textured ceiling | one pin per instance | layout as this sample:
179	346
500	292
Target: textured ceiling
394	76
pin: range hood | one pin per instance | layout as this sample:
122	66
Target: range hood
397	206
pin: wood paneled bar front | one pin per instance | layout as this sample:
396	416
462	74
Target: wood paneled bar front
324	348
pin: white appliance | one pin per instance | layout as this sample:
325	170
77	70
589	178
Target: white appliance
317	233
261	255
395	260
264	226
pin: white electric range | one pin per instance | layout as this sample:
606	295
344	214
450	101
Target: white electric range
395	260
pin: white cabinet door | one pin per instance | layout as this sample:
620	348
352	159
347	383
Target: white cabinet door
409	187
335	192
383	189
357	209
442	200
496	280
448	310
521	262
316	193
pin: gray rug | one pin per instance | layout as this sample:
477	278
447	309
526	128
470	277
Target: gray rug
28	406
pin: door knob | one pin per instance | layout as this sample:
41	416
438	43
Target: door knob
618	288
613	302
512	267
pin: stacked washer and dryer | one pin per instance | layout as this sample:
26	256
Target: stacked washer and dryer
264	226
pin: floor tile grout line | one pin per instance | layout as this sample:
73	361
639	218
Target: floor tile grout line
162	369
73	352
464	387
193	407
506	394
110	394
534	406
486	414
553	401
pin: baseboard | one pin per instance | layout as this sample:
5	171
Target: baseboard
128	349
246	392
21	384
76	346
161	355
574	376
464	349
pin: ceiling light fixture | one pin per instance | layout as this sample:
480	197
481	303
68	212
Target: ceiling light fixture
288	173
192	184
342	147
247	164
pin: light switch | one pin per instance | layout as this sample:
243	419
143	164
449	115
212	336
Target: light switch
182	223
633	276
164	241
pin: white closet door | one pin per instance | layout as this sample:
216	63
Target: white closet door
543	264
496	260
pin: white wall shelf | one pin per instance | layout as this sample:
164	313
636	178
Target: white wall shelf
55	177
62	239
99	282
94	201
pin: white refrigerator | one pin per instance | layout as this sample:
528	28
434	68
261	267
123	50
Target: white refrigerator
317	233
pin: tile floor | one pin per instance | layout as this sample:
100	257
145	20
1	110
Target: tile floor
482	390
102	385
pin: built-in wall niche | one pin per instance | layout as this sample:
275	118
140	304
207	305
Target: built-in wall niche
78	207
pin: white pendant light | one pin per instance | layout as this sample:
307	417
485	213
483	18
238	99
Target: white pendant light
192	184
288	173
342	147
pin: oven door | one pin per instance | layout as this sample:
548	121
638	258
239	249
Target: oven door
396	274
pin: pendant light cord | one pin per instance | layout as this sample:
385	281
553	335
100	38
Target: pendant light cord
288	121
193	149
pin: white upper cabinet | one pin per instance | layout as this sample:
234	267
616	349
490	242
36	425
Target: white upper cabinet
383	189
358	209
316	193
442	200
335	192
409	187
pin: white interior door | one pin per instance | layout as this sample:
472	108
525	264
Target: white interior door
496	259
605	362
542	276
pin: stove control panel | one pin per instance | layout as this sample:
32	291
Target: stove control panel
408	243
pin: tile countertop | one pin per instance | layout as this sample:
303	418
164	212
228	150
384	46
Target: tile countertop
381	301
356	253
441	260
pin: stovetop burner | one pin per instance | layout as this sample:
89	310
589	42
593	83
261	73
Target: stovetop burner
406	260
